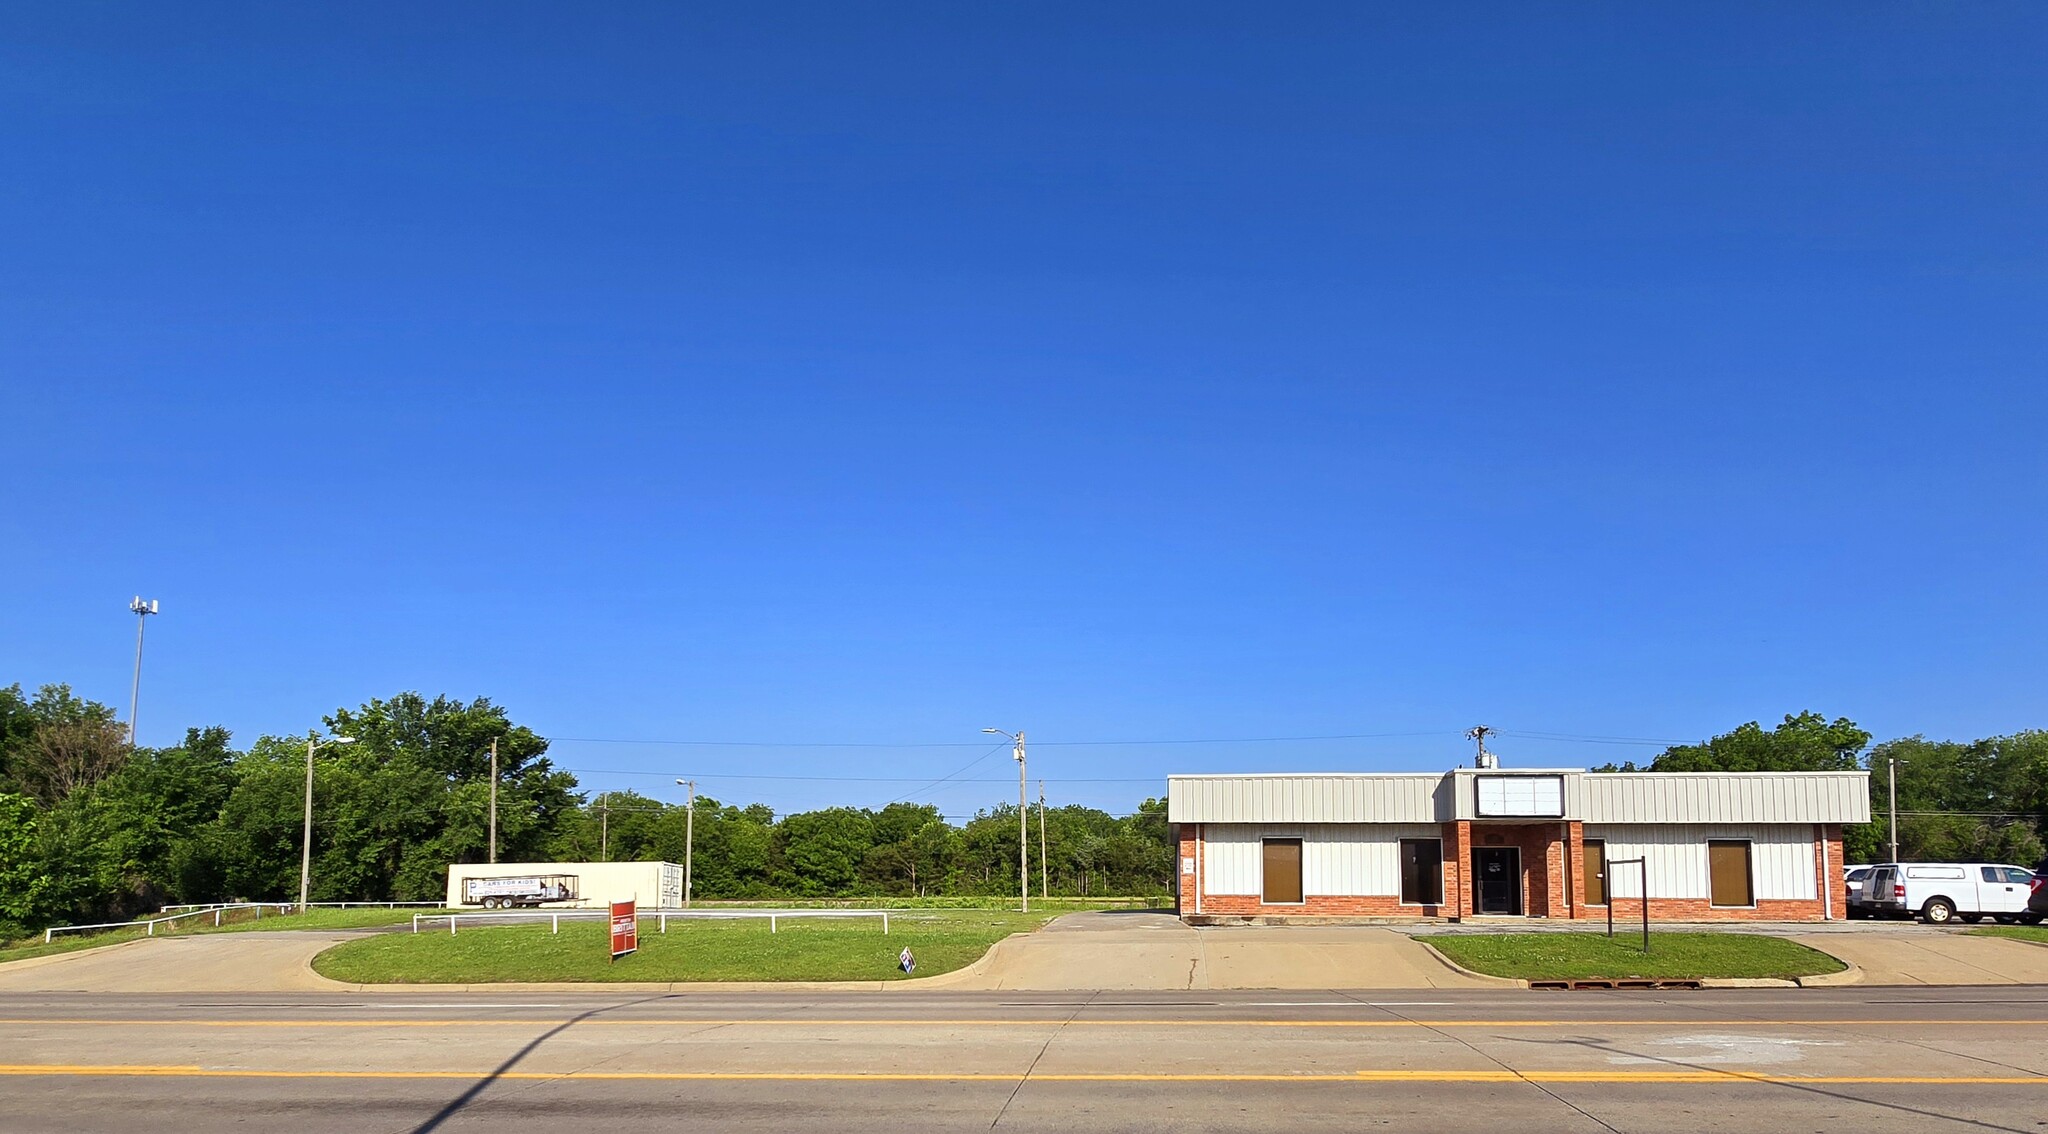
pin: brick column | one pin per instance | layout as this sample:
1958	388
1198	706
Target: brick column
1457	858
1575	867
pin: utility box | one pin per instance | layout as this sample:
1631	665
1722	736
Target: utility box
564	885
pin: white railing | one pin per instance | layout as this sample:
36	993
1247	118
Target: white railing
202	907
661	917
282	906
150	924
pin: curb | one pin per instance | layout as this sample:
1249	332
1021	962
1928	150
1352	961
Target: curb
1747	982
1496	981
1850	975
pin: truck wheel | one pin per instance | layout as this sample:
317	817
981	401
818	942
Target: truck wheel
1938	911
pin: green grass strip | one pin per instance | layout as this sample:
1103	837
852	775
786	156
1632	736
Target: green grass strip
1672	956
840	949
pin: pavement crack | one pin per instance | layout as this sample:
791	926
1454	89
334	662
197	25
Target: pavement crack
1042	1048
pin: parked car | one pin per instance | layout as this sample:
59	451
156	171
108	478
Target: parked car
1854	878
1941	892
2037	904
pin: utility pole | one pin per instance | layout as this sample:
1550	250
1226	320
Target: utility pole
142	612
1484	759
604	827
1023	833
689	837
494	799
1042	888
1891	764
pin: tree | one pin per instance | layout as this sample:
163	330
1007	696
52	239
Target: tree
1807	742
822	850
69	743
23	883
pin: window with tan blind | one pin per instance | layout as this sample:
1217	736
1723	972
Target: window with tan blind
1282	872
1728	873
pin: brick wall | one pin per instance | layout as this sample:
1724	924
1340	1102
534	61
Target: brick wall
1552	857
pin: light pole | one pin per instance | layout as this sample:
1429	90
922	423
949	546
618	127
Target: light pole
1891	765
1023	821
142	609
689	836
306	842
494	799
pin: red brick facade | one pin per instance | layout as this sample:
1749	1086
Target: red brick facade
1553	858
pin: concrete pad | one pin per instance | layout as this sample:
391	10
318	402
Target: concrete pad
1087	951
1919	956
213	962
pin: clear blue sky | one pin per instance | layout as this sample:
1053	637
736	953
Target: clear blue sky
876	374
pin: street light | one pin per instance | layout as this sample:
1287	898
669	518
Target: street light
142	608
689	837
1023	828
306	843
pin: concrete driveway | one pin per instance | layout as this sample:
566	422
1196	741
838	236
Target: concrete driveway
1115	950
1925	955
255	961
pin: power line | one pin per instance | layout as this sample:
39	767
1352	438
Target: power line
977	744
862	779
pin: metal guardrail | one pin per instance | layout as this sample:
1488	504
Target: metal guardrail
150	924
555	917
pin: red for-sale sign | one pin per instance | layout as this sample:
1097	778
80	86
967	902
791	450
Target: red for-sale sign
625	929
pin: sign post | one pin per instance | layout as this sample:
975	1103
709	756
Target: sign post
625	929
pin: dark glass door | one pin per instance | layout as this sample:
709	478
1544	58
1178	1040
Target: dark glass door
1497	880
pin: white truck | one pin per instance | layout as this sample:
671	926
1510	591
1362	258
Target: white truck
507	893
1944	891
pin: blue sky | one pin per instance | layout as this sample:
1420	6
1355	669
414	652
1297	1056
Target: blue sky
873	374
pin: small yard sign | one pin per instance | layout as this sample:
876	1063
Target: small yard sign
625	929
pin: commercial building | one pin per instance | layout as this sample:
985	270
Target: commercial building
1491	842
589	885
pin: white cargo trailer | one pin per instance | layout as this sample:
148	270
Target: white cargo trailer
591	885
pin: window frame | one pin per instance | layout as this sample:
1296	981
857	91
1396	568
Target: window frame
1401	857
1749	872
1300	869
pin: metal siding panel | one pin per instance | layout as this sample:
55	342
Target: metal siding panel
1781	857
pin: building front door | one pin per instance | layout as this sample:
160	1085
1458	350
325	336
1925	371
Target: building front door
1497	880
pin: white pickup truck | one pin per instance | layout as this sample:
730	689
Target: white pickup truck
526	891
1941	892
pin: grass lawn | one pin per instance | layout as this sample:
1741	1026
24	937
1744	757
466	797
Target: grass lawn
1591	956
698	950
2035	933
237	921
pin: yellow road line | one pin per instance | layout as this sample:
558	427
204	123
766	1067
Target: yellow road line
780	1022
1608	1077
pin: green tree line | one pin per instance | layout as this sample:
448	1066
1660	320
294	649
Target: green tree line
1975	801
94	830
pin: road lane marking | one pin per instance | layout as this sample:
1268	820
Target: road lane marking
1704	1078
787	1022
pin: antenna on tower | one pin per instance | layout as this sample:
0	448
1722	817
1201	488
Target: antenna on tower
1478	734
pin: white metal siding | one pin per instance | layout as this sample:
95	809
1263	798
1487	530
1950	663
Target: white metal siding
1303	799
1781	858
1726	797
1337	860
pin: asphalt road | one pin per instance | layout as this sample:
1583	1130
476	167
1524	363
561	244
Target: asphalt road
1767	1060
